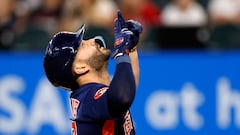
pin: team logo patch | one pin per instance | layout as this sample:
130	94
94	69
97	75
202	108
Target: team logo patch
100	92
118	41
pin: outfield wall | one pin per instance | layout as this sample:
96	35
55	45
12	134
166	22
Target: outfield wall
180	93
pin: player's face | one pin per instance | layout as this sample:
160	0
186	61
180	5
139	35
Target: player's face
94	54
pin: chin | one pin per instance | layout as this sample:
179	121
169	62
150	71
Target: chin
107	53
107	57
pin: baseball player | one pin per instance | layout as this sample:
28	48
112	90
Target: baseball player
100	106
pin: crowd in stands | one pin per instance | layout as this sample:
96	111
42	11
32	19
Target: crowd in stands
28	25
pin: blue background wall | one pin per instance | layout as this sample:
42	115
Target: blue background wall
190	93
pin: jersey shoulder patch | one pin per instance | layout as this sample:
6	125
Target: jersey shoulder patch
100	92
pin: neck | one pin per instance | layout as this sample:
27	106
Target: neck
102	76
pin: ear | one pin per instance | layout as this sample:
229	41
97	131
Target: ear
80	69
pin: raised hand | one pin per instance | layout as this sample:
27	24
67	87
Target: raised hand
122	42
131	25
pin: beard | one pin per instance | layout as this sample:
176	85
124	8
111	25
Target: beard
99	60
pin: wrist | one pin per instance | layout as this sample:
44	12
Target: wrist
120	52
123	58
133	49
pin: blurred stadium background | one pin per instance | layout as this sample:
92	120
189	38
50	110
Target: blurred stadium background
189	60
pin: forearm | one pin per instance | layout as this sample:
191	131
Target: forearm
135	65
122	87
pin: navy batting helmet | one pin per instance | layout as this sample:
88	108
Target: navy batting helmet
59	56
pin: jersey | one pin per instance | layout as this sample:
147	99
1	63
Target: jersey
91	116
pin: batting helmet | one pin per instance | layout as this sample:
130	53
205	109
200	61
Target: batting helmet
59	56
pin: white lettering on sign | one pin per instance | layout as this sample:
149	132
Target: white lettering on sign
46	108
161	110
228	104
191	101
163	106
10	87
164	109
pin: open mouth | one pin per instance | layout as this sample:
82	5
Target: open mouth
100	41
